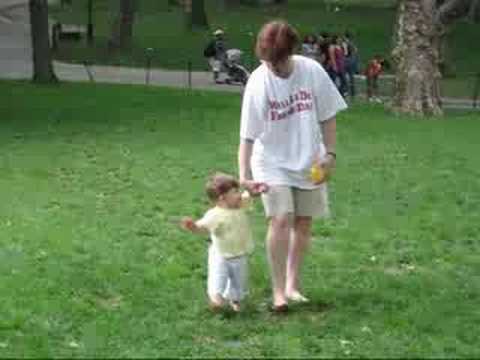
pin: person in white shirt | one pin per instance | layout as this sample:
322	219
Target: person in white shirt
229	228
287	126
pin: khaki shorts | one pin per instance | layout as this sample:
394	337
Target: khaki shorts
282	200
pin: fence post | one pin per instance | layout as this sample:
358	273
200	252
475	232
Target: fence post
149	64
189	69
476	90
56	28
90	22
89	72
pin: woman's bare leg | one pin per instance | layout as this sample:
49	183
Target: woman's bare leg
300	242
277	250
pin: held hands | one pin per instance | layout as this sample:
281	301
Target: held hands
253	187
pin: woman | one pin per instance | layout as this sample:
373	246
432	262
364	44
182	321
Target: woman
336	64
287	125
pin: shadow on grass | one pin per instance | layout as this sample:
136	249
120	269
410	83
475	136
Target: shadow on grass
255	311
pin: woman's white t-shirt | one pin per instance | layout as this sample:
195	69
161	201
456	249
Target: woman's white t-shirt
282	115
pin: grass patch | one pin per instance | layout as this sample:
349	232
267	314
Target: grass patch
93	264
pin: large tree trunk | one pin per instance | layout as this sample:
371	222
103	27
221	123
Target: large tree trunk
474	12
195	15
122	32
417	59
42	57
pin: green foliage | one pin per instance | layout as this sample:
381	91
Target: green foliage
93	263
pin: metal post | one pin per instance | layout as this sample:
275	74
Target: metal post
89	72
90	22
55	35
252	50
149	64
476	91
189	69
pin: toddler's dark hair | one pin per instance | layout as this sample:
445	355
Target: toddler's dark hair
219	184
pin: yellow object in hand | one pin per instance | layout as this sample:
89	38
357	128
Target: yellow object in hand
317	174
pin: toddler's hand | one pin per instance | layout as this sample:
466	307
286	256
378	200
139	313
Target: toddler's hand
188	223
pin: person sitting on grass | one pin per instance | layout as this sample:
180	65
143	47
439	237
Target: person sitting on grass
231	240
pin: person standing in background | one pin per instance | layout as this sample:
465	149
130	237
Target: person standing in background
215	52
336	64
351	62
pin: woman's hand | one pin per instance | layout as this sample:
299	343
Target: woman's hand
327	164
253	187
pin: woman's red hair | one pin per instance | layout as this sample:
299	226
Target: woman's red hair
276	41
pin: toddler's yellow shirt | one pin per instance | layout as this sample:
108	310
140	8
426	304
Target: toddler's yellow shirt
230	231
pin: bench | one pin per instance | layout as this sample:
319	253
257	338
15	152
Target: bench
71	32
66	32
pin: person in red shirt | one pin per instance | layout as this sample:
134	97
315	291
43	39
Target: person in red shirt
372	72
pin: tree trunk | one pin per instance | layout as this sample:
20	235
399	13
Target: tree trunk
474	12
225	5
42	57
417	58
122	32
196	17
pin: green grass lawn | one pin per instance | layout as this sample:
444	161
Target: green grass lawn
94	179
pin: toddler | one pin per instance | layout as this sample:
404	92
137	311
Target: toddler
372	72
231	241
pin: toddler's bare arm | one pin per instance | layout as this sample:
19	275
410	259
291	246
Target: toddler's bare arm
189	224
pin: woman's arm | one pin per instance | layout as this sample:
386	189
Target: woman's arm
245	171
244	156
329	131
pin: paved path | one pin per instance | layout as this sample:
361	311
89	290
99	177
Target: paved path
16	63
15	47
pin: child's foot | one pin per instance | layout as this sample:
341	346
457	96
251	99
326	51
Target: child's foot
216	303
297	297
214	307
235	305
